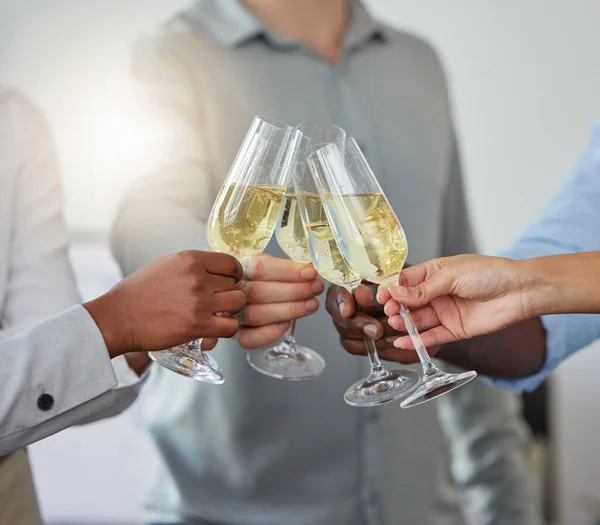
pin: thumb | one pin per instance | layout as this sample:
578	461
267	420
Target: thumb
424	292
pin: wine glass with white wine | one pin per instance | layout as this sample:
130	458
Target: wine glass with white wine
382	385
242	220
372	241
288	359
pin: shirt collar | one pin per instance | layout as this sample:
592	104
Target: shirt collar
233	25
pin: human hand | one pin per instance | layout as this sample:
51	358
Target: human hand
277	291
371	322
170	302
457	298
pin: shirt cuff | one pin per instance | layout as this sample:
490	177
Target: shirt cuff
126	376
556	351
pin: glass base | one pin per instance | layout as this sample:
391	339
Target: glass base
281	363
202	368
395	385
436	385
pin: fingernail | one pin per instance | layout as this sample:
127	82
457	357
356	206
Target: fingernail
389	311
283	326
397	291
391	339
308	273
317	287
370	330
399	343
311	305
342	306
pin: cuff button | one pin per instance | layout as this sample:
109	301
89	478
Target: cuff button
45	402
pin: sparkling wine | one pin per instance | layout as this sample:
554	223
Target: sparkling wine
322	245
290	233
241	222
371	238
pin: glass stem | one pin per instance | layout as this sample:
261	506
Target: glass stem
193	350
289	339
377	369
429	369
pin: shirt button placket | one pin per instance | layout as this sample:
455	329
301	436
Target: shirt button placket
346	112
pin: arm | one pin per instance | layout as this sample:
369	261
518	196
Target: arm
59	373
50	381
41	282
568	224
469	295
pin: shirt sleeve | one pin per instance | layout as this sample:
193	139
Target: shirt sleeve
53	375
569	223
41	282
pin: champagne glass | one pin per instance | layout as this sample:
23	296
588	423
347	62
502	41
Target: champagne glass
242	220
382	385
372	242
288	359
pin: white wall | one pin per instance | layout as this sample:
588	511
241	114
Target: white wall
526	85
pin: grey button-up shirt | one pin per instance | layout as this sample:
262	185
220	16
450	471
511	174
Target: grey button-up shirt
258	451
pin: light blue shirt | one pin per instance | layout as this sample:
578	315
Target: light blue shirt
569	223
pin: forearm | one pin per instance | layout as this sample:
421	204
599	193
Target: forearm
562	283
517	351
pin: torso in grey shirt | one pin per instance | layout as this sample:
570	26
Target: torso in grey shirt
258	451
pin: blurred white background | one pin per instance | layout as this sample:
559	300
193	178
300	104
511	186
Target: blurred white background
525	83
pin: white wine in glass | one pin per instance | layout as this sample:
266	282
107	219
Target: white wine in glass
288	359
382	385
242	220
372	242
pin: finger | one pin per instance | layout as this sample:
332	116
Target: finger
222	284
365	296
208	343
268	268
424	319
413	275
430	287
232	302
383	294
357	346
255	337
219	326
399	355
361	325
264	292
340	304
431	338
389	330
265	314
391	307
223	264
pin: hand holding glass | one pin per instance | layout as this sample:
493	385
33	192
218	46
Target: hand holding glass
289	360
382	385
242	220
373	243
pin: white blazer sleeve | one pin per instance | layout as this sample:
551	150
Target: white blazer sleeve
52	376
41	282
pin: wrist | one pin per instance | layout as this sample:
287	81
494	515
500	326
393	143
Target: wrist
540	288
106	318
